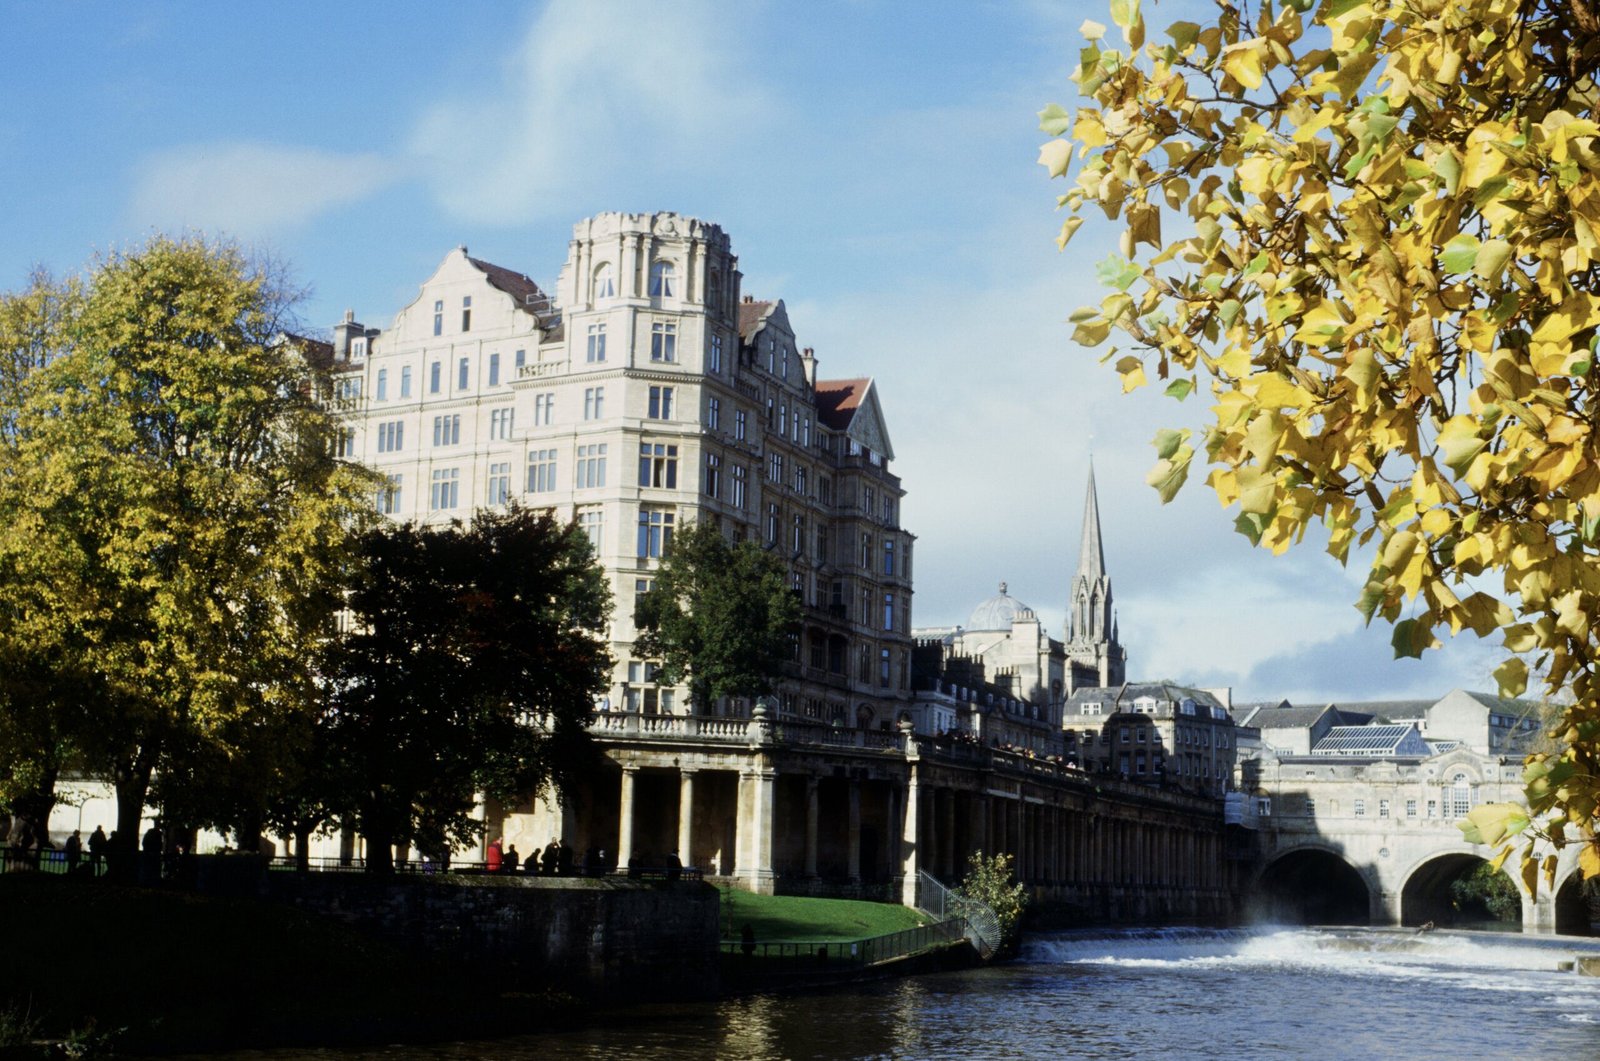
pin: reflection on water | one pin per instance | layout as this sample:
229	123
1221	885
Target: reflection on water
1174	993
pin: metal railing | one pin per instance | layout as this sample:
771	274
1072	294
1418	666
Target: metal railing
976	918
14	860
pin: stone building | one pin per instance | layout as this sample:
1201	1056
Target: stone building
644	392
1154	733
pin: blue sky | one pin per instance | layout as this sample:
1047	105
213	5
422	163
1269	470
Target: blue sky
872	162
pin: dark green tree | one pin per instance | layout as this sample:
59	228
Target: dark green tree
472	663
720	615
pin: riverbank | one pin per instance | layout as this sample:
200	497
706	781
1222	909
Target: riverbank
141	970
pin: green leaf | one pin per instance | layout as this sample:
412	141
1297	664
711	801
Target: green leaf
1168	440
1411	638
1460	254
1179	389
1491	259
1183	34
1054	121
1124	12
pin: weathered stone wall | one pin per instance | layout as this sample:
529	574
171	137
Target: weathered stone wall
617	939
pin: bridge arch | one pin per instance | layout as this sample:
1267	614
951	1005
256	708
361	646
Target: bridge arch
1431	894
1573	914
1313	885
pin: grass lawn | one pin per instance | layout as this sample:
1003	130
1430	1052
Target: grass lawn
789	918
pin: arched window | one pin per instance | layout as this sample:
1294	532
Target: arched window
604	285
662	278
1460	796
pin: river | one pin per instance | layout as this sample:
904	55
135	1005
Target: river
1174	993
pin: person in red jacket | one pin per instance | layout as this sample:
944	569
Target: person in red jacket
491	857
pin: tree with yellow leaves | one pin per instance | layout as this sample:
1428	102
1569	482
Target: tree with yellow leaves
1382	258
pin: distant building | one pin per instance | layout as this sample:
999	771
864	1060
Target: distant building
1156	733
1006	640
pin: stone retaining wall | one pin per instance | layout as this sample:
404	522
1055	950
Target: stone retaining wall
613	939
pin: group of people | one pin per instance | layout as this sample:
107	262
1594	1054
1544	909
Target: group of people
553	860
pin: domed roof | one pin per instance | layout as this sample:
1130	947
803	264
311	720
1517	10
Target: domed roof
998	612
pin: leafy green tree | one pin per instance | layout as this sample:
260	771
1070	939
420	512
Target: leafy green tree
471	666
720	615
1370	229
171	518
1486	893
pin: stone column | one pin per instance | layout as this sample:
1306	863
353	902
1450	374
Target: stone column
757	793
811	826
625	818
853	832
948	828
910	855
686	816
978	822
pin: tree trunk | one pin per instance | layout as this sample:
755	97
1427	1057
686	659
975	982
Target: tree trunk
302	847
380	844
30	812
132	782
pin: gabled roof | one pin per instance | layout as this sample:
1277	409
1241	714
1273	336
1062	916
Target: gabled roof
519	286
751	316
851	406
838	400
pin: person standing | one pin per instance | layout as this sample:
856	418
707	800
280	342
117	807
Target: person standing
73	849
491	857
97	849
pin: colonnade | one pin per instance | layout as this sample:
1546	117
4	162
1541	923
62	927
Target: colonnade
819	823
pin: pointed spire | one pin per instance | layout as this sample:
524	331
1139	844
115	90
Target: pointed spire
1091	556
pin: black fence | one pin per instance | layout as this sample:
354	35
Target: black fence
49	860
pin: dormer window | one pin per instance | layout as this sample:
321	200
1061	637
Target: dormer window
466	313
604	285
358	349
438	317
662	278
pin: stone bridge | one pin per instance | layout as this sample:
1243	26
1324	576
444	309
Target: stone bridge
1379	843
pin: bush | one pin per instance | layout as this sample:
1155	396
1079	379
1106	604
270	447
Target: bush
992	881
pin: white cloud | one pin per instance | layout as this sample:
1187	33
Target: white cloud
600	93
250	189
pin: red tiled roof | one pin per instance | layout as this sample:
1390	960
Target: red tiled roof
513	283
750	315
838	399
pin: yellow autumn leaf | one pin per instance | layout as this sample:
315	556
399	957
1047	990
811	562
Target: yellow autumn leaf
1243	63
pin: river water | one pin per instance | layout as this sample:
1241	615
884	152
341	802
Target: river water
1172	993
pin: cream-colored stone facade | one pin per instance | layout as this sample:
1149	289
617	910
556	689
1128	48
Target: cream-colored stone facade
643	394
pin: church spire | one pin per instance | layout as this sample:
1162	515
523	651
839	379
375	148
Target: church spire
1094	653
1091	555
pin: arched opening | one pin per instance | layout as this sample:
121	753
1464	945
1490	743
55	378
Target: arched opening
1313	888
1577	903
1461	891
604	285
